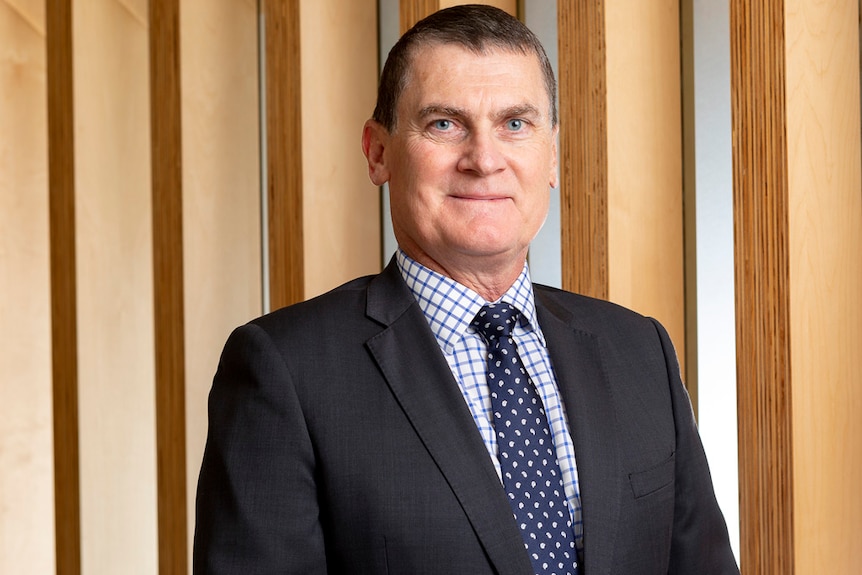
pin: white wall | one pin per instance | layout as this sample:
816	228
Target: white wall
545	252
716	335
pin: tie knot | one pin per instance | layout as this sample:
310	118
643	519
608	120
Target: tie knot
496	320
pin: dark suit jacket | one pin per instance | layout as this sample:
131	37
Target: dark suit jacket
339	442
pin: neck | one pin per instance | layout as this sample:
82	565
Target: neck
485	276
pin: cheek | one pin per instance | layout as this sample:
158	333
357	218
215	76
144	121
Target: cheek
422	188
539	210
535	208
411	210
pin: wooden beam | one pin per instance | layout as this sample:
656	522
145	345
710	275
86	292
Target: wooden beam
762	280
284	152
583	147
166	134
689	183
64	324
411	11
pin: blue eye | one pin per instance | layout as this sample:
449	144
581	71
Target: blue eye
442	124
515	124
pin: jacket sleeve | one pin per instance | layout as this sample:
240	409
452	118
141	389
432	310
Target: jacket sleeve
256	506
700	542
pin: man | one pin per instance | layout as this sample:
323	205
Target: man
401	424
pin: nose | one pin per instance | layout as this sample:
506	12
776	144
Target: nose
482	155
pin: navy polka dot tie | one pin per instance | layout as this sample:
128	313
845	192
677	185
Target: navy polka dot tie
528	460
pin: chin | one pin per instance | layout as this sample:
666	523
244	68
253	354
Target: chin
489	241
492	250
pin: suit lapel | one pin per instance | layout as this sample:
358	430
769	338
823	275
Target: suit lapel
420	379
581	377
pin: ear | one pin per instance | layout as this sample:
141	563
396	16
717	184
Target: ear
374	139
553	179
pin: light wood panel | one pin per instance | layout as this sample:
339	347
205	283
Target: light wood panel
645	241
799	278
341	207
221	196
168	303
113	233
824	248
26	480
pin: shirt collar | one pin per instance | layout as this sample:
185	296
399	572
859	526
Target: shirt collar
450	306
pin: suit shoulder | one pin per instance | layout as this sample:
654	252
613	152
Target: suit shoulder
343	301
584	306
613	323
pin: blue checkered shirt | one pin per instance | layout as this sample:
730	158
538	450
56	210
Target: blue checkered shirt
449	308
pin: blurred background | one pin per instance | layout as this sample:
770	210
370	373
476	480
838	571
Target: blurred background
171	169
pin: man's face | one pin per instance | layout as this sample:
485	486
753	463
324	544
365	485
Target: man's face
470	160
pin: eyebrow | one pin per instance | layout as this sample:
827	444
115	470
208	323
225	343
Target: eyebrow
440	110
521	110
510	112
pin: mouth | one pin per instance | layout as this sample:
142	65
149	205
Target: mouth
480	197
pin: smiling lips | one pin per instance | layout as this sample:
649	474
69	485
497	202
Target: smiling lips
479	197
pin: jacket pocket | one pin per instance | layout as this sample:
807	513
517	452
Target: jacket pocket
652	479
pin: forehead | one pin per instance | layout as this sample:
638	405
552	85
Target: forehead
450	72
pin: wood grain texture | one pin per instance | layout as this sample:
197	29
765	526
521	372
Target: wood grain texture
825	251
644	143
411	11
166	134
114	268
341	207
27	513
689	191
113	236
64	342
761	236
221	201
284	152
583	147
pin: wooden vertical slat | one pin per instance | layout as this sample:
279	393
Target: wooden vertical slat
689	198
411	11
27	511
824	206
284	152
583	147
165	125
221	211
64	341
762	280
339	84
